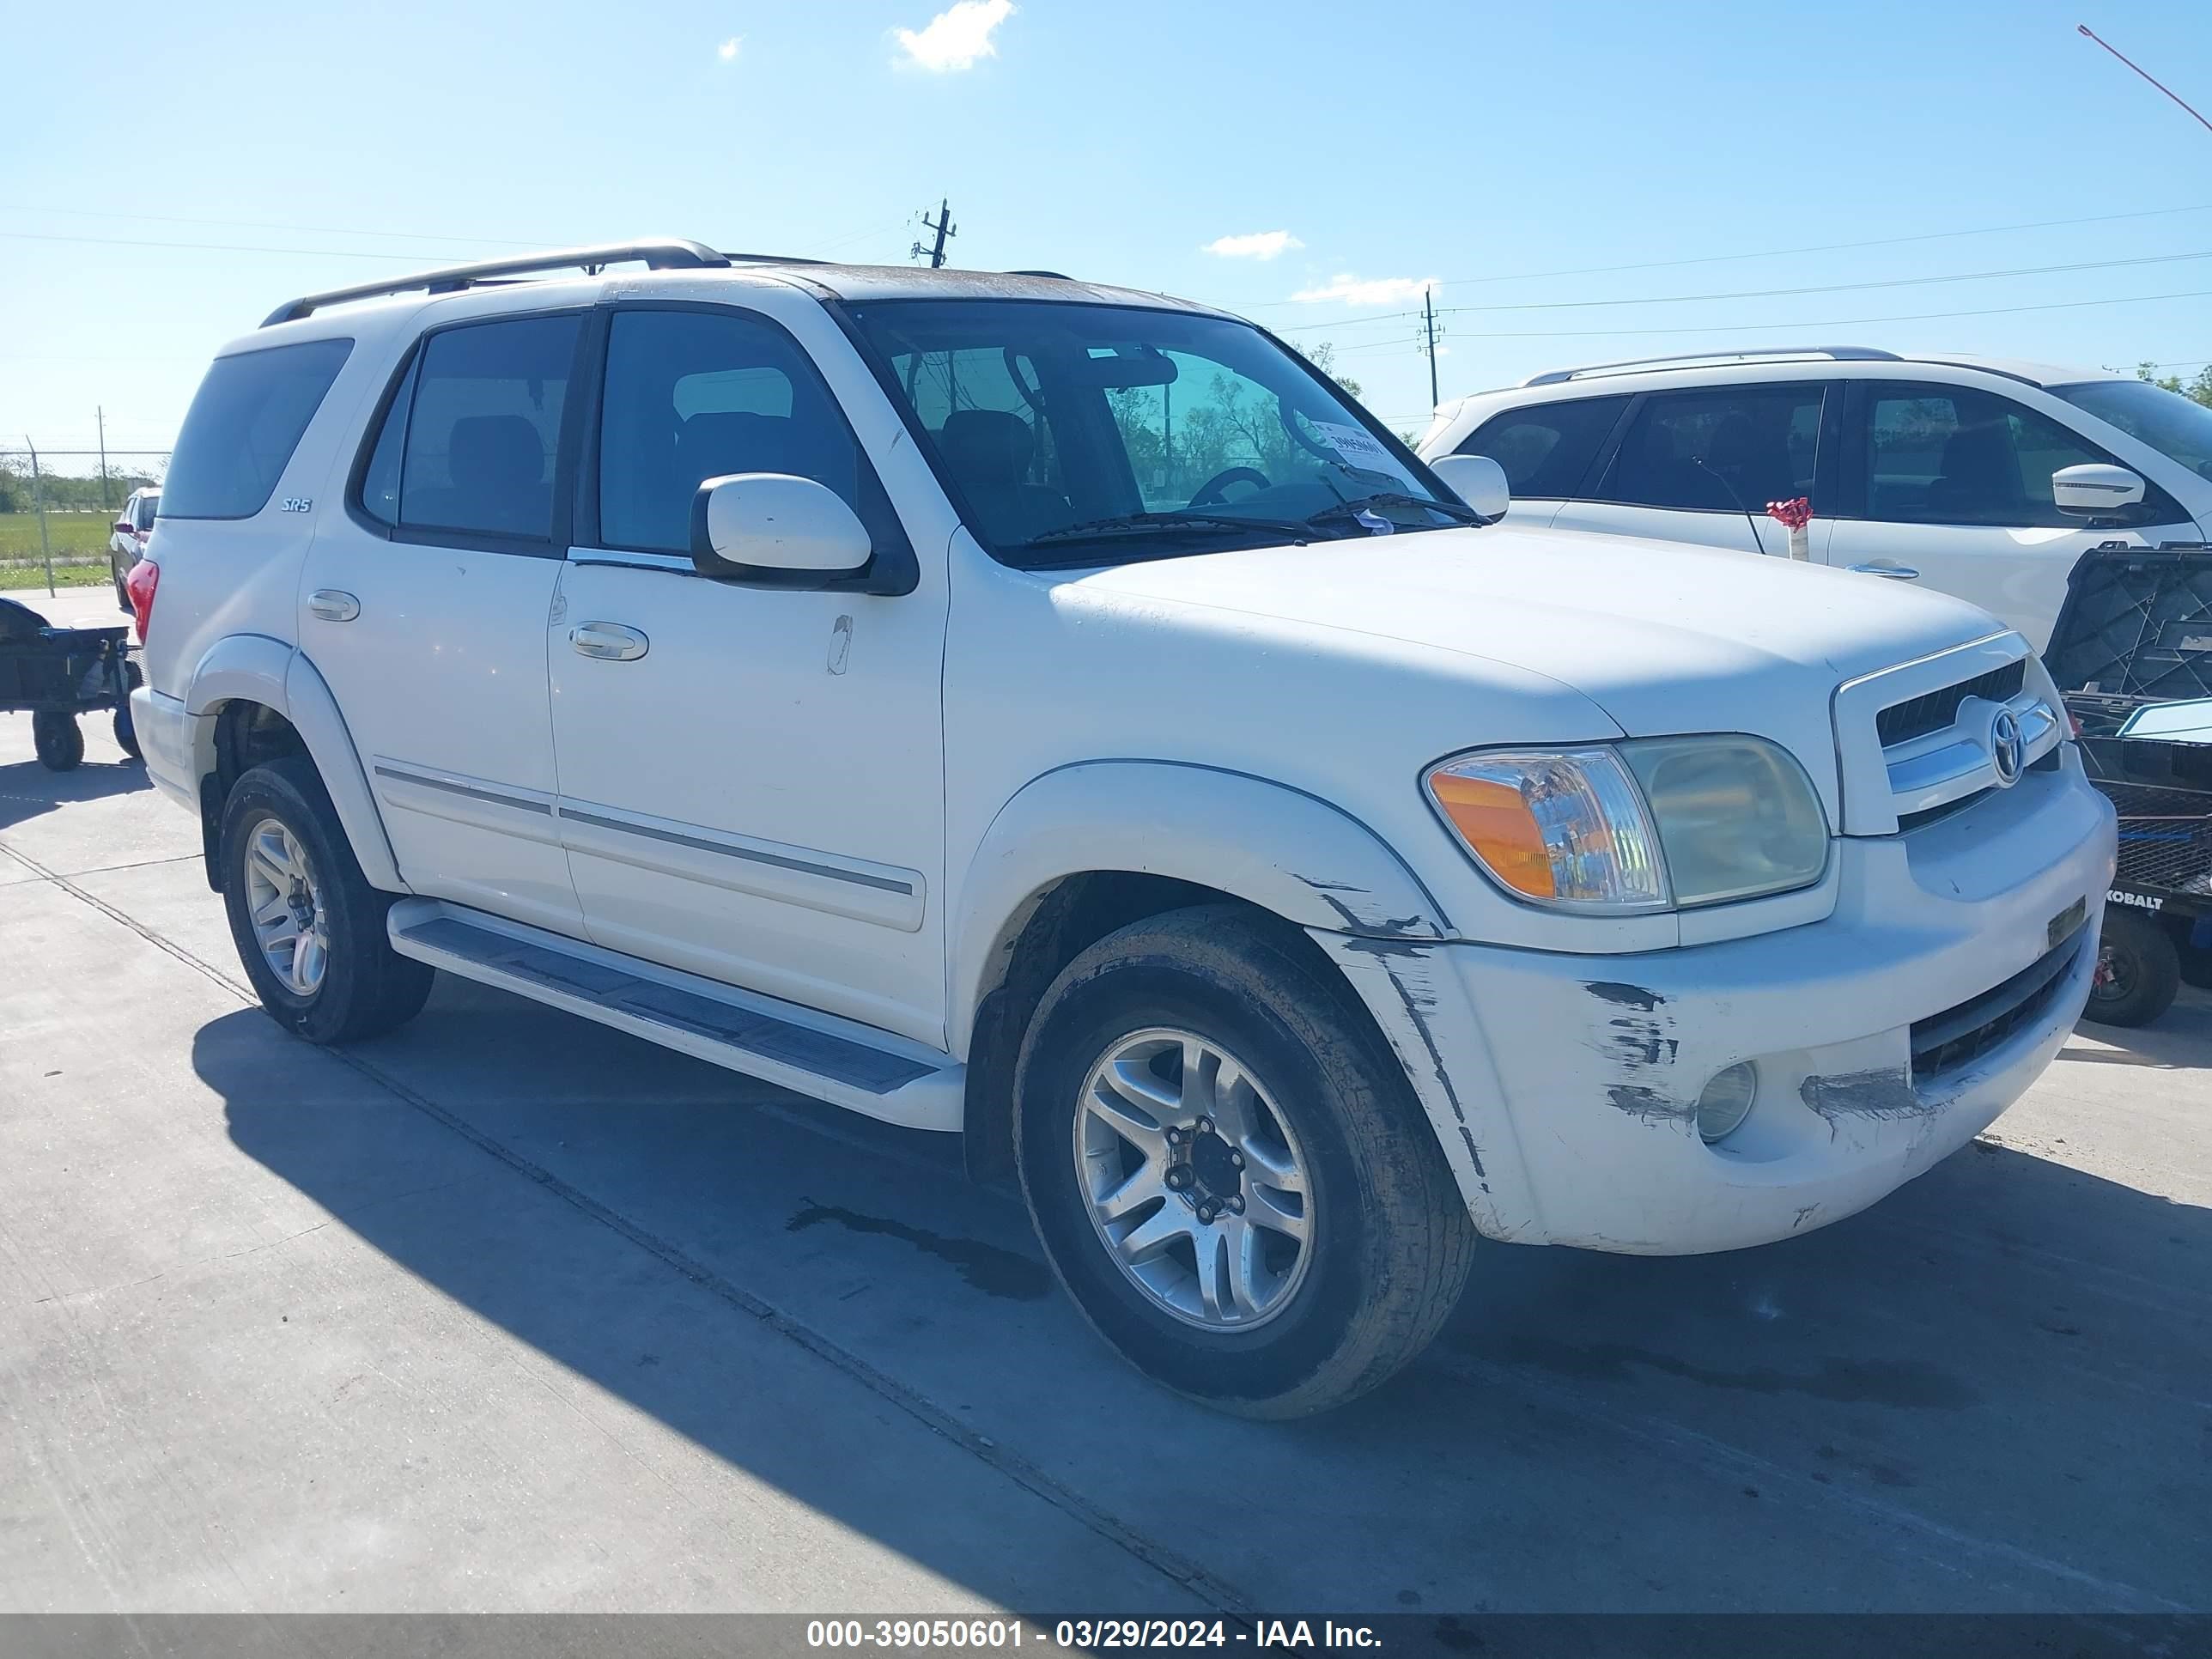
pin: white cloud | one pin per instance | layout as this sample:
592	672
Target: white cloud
1343	288
1259	245
956	37
728	51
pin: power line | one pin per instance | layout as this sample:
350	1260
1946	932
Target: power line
1786	252
1801	327
1769	293
267	224
2187	107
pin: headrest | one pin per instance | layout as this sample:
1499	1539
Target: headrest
495	453
986	446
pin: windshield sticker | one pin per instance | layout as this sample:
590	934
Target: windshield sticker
1359	450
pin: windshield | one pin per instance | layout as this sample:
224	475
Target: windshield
2166	421
1094	434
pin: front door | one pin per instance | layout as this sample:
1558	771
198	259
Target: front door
1948	487
752	778
424	609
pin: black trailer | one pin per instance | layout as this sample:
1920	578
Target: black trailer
2135	635
55	674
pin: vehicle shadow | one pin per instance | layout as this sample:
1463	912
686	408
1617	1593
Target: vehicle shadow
29	789
1841	1420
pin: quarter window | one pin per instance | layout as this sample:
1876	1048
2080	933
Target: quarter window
468	445
1726	451
1947	454
694	395
245	422
1547	448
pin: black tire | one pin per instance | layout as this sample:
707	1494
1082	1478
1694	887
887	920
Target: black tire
126	728
2138	971
1391	1240
59	744
122	593
366	987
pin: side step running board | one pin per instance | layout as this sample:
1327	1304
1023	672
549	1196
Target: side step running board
839	1060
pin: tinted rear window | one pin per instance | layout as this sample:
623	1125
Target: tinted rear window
244	425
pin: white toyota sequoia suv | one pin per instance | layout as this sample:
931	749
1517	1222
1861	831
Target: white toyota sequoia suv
1058	715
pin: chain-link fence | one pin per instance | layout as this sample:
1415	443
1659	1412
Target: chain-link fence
61	510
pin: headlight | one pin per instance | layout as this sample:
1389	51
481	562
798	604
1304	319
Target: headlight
1650	824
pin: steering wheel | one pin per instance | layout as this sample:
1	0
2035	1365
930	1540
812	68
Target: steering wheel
1210	493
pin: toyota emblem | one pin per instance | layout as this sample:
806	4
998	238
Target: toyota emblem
2005	747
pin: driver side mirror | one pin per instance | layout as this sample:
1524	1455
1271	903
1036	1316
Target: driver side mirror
1478	481
774	529
2095	490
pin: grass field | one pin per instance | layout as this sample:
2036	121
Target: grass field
79	547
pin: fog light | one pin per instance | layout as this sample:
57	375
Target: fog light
1727	1101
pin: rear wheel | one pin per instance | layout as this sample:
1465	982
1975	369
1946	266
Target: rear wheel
2138	971
1229	1169
308	927
58	743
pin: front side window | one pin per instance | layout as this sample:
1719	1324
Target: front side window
1731	450
1950	454
1547	448
1077	434
2178	427
468	443
143	509
245	421
694	395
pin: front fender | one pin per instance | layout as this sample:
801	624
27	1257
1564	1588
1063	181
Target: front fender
254	668
1278	848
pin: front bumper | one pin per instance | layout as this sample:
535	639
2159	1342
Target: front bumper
1563	1088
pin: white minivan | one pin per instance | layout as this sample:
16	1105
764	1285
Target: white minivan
1938	470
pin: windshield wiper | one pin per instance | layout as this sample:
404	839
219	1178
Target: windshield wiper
1351	509
1146	523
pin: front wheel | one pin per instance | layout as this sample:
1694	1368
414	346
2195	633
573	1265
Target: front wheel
2138	971
1229	1170
308	927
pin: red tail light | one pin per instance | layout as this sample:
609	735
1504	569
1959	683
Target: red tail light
145	576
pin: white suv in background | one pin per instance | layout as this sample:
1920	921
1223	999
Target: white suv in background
1933	470
1058	715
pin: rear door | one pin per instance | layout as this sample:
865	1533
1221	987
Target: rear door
424	608
1949	486
1701	465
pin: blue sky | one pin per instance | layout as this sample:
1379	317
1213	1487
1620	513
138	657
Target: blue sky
1481	145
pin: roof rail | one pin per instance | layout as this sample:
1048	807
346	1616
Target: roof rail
669	253
1057	276
1835	354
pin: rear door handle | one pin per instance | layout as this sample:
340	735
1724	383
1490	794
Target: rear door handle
1896	572
608	642
333	605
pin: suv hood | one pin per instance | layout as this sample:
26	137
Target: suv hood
1664	639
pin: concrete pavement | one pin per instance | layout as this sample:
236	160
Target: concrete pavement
510	1312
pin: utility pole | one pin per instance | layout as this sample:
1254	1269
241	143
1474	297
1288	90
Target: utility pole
38	504
1428	341
2085	29
944	227
100	415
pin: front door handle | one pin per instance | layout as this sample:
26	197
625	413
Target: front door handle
608	642
1896	572
332	606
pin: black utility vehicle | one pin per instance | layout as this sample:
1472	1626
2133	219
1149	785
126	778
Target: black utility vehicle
55	674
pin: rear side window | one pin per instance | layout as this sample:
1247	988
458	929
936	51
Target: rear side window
142	512
468	445
244	423
1547	448
1731	450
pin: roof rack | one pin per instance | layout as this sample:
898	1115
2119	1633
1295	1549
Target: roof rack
1057	276
669	254
1835	354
